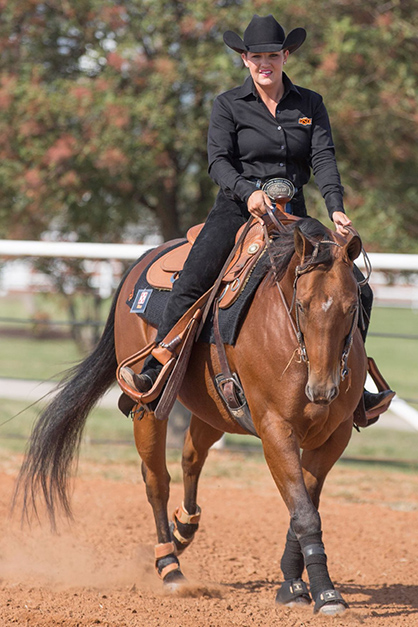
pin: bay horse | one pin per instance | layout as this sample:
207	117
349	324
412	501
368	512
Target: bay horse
301	361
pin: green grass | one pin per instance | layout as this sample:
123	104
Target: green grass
39	359
50	305
373	442
24	352
396	358
378	443
108	435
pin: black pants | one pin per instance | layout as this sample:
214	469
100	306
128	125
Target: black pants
205	260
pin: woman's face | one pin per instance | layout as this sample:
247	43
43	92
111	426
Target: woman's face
265	67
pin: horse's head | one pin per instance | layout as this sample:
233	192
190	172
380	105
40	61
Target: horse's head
326	301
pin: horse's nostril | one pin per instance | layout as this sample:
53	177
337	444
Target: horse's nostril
333	393
321	395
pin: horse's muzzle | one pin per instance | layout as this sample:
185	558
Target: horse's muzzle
321	394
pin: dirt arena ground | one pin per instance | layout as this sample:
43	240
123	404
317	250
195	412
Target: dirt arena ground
99	571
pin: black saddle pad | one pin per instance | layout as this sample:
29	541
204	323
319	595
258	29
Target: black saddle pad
149	303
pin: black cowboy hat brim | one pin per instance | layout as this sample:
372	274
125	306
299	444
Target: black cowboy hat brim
293	41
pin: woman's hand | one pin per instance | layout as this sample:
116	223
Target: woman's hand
341	221
257	203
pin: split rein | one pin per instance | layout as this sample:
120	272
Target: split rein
301	270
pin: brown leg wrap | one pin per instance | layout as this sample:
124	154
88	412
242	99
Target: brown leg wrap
166	549
181	516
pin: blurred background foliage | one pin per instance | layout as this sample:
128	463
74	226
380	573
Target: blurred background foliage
104	108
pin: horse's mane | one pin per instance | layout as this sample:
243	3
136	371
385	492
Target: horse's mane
282	247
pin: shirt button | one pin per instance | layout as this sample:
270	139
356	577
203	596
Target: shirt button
279	128
281	164
282	147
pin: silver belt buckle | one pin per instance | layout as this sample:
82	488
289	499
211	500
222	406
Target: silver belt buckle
279	190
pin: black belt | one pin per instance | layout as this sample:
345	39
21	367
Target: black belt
260	182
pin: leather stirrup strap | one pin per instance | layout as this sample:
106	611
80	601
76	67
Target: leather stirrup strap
376	375
228	386
169	393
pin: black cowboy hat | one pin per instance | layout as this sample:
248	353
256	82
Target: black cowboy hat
264	34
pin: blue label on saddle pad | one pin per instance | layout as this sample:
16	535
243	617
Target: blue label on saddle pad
141	301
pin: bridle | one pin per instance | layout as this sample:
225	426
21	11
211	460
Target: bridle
300	271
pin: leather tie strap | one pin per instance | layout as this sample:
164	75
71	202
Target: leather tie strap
184	517
162	550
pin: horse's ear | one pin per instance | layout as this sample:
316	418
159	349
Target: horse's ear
303	246
353	247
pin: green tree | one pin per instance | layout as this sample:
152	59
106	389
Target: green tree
104	108
104	113
362	58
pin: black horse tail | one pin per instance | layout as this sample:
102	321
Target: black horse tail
55	440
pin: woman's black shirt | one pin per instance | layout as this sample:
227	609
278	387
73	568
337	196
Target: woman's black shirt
246	141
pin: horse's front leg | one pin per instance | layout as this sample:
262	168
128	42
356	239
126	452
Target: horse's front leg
281	451
150	439
316	465
199	438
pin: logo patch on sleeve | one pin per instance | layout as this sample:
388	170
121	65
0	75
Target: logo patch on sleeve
305	121
141	301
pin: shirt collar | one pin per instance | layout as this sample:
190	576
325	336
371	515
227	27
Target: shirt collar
248	88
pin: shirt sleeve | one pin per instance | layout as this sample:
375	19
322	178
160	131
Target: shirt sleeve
323	161
222	144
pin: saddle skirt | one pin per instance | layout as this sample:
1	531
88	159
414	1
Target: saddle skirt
165	270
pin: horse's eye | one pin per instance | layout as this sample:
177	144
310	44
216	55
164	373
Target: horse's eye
300	307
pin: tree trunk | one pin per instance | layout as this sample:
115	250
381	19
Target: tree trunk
168	215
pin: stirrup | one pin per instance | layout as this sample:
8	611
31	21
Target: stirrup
373	414
128	375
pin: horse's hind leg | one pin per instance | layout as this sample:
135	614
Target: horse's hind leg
150	439
199	438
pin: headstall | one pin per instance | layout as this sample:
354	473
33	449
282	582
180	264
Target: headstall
301	270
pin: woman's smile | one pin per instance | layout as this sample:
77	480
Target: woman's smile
266	68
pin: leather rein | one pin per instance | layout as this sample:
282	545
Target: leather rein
299	271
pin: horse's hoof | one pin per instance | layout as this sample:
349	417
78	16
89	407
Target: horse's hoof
174	581
333	609
299	602
293	593
331	603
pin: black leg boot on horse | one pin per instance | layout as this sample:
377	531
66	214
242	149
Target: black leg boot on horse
201	269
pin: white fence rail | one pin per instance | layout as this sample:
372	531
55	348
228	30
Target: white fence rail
26	248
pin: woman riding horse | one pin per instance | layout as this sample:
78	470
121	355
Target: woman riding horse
301	393
266	128
299	354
